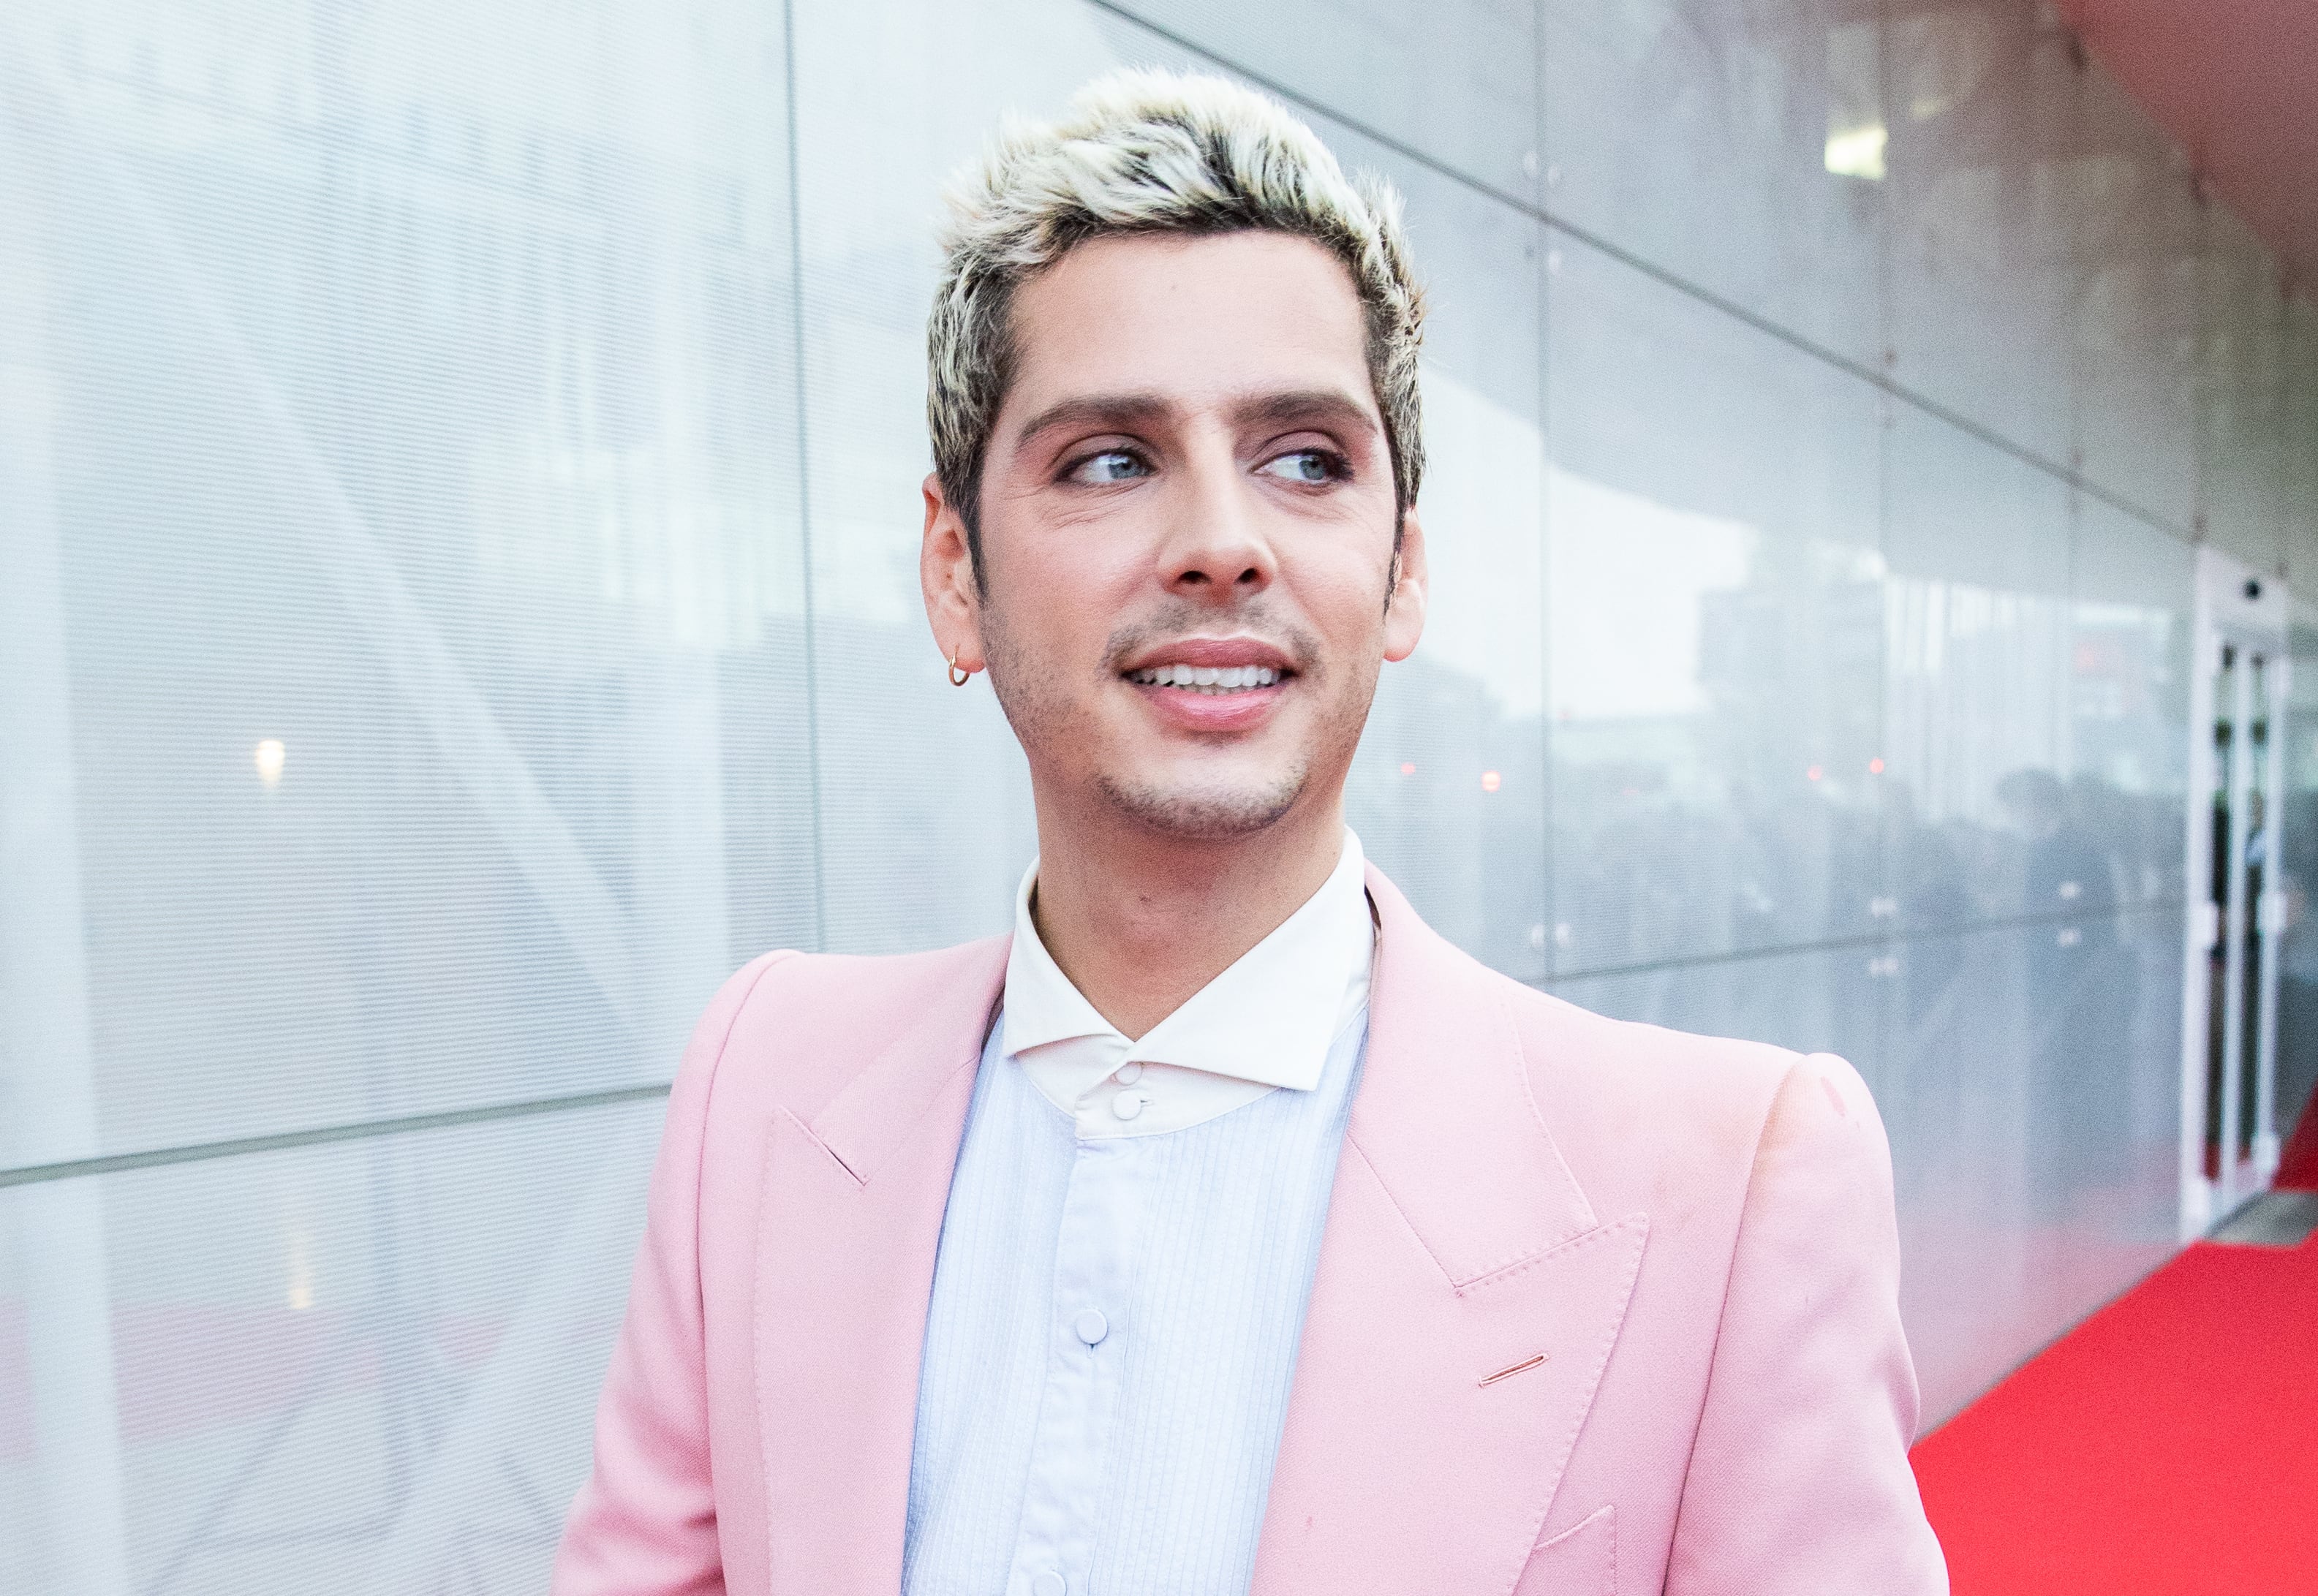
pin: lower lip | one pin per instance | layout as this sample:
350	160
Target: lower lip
1195	711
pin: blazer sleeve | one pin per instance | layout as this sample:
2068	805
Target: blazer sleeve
1798	1480
645	1522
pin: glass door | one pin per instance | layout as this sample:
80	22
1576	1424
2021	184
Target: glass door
2235	913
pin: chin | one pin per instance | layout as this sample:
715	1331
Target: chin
1206	811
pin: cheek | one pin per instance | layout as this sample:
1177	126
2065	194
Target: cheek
1345	602
1058	598
1085	589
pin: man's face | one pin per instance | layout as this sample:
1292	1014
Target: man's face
1187	532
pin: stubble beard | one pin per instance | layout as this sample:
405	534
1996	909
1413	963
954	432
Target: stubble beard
1039	711
1217	815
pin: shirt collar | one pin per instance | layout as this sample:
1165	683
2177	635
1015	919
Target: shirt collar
1269	1017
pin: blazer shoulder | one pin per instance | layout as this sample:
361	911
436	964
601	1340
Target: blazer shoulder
1626	1057
1637	1104
803	1026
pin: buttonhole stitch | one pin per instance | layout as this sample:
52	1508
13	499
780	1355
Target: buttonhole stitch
1522	1368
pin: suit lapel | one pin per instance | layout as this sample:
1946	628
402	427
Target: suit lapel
1464	1308
1465	1304
849	1225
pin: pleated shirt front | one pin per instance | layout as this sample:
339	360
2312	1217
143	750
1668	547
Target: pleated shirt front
1124	1266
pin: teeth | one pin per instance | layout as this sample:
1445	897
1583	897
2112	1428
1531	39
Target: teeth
1206	679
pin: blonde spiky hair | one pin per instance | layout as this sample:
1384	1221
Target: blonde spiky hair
1154	152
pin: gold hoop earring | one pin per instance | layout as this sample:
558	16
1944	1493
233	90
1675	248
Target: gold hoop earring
957	678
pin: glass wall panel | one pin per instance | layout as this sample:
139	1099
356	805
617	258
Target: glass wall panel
1716	621
2125	763
1983	223
2033	1067
2241	394
400	405
1819	1000
2030	1081
2133	304
2298	950
364	1367
1739	148
1976	692
2297	1020
1457	82
2298	436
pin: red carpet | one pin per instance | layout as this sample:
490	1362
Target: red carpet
2167	1446
2298	1166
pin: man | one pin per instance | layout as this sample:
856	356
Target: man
1225	1228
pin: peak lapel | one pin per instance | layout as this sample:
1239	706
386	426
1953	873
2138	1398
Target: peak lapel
1465	1306
848	1224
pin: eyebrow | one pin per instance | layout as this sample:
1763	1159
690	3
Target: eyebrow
1127	412
1326	406
1122	412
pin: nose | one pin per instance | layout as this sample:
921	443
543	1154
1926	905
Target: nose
1215	550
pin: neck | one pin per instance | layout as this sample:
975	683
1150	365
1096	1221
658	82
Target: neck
1140	921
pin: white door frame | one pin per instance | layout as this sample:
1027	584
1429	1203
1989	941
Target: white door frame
2240	615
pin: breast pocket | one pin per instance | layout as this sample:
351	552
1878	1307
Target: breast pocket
1580	1561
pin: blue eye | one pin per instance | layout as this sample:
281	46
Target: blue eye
1312	468
1111	465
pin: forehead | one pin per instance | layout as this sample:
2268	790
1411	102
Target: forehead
1186	317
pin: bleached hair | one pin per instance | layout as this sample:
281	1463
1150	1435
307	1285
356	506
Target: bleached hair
1154	152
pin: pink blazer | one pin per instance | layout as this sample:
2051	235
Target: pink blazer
1599	1307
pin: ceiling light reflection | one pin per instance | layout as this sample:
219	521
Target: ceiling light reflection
1857	152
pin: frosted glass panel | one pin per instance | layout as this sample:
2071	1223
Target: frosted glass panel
1739	148
2298	962
2134	309
2126	737
1457	81
369	1366
401	426
2241	394
1715	619
1976	688
1823	1000
1983	263
2030	1080
2298	439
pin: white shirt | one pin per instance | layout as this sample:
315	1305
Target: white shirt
1117	1301
1265	1022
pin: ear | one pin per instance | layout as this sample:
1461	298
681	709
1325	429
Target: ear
1403	605
946	574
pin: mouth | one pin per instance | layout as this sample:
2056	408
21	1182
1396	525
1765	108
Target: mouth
1211	680
1211	685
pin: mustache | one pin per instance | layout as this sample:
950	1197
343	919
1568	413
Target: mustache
1181	619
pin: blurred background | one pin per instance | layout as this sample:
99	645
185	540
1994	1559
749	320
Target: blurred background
458	514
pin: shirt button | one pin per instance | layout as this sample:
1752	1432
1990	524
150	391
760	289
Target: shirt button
1127	1105
1090	1325
1048	1583
1128	1074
